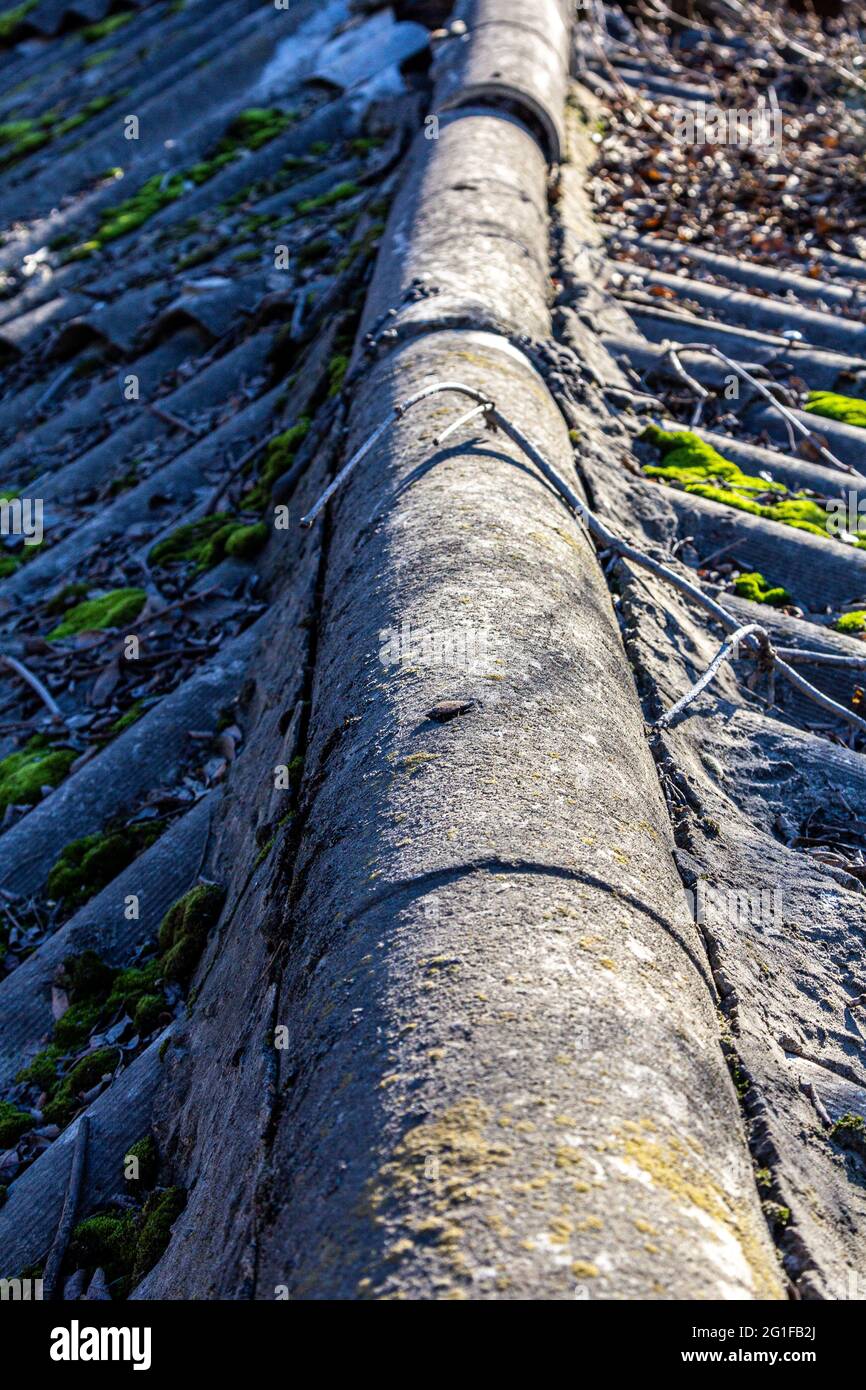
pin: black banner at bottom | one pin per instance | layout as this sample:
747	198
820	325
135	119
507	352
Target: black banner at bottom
67	1338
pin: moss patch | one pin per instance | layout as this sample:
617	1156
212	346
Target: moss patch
114	609
92	33
849	409
126	1244
125	721
66	597
850	1133
66	1101
159	1215
145	1153
184	930
279	455
205	542
21	137
851	622
338	194
755	587
86	865
13	1123
10	19
688	462
249	130
37	765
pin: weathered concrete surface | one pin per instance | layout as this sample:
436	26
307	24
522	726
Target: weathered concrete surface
504	1076
469	226
513	56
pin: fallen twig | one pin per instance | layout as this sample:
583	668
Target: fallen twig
174	420
64	1230
728	647
35	684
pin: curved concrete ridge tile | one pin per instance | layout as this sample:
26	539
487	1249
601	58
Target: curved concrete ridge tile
510	55
465	243
508	870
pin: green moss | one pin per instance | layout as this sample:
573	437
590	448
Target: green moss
13	1123
205	542
338	194
96	60
126	720
313	251
42	1071
84	1075
22	137
279	455
126	1244
688	462
337	368
206	252
147	1013
92	33
849	409
363	144
145	1151
8	565
159	1215
132	985
184	930
851	622
87	976
75	1026
200	543
257	125
10	19
37	765
86	865
776	1214
850	1133
106	1241
246	541
755	587
114	609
